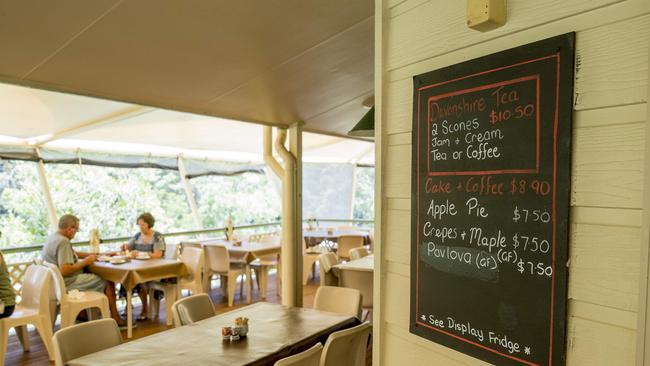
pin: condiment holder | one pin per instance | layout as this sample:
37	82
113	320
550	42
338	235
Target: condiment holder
240	330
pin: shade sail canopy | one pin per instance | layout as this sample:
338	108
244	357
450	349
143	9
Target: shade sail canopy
67	123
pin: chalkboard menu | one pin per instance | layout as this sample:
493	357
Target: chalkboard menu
490	204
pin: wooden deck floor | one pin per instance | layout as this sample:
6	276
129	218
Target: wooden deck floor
38	355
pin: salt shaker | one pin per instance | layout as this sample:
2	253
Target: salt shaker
235	334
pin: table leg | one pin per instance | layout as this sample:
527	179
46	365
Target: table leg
129	314
248	284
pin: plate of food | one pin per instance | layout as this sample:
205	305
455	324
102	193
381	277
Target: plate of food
104	258
118	260
143	256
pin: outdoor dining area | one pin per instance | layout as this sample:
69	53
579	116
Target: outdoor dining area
235	260
193	320
367	182
141	230
253	244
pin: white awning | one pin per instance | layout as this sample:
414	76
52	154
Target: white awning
70	122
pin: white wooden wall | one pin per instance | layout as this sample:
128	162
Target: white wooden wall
609	137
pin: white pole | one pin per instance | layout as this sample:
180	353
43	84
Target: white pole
353	195
188	193
268	152
287	253
291	177
295	145
47	195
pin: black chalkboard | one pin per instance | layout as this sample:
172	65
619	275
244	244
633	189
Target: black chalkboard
490	204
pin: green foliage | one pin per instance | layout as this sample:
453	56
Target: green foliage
364	198
23	214
110	199
248	199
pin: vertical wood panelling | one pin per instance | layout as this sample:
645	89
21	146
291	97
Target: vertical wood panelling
608	160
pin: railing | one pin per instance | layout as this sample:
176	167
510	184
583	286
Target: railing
19	258
363	223
35	248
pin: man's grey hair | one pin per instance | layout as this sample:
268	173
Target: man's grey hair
68	221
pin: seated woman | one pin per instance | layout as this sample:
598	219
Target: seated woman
7	295
146	241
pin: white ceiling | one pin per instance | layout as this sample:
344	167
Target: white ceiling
270	62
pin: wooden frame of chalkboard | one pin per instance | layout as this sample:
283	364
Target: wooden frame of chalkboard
490	204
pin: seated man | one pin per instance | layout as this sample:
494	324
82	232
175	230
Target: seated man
58	251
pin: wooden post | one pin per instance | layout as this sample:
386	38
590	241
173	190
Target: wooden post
287	257
295	146
379	283
290	175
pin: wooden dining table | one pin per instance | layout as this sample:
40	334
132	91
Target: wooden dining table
275	331
138	271
248	251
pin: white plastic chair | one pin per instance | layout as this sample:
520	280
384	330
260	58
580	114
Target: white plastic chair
32	309
171	251
170	292
310	357
86	338
189	244
308	263
347	242
265	263
262	266
358	253
69	306
192	309
193	260
338	300
362	281
192	257
327	261
346	347
218	262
